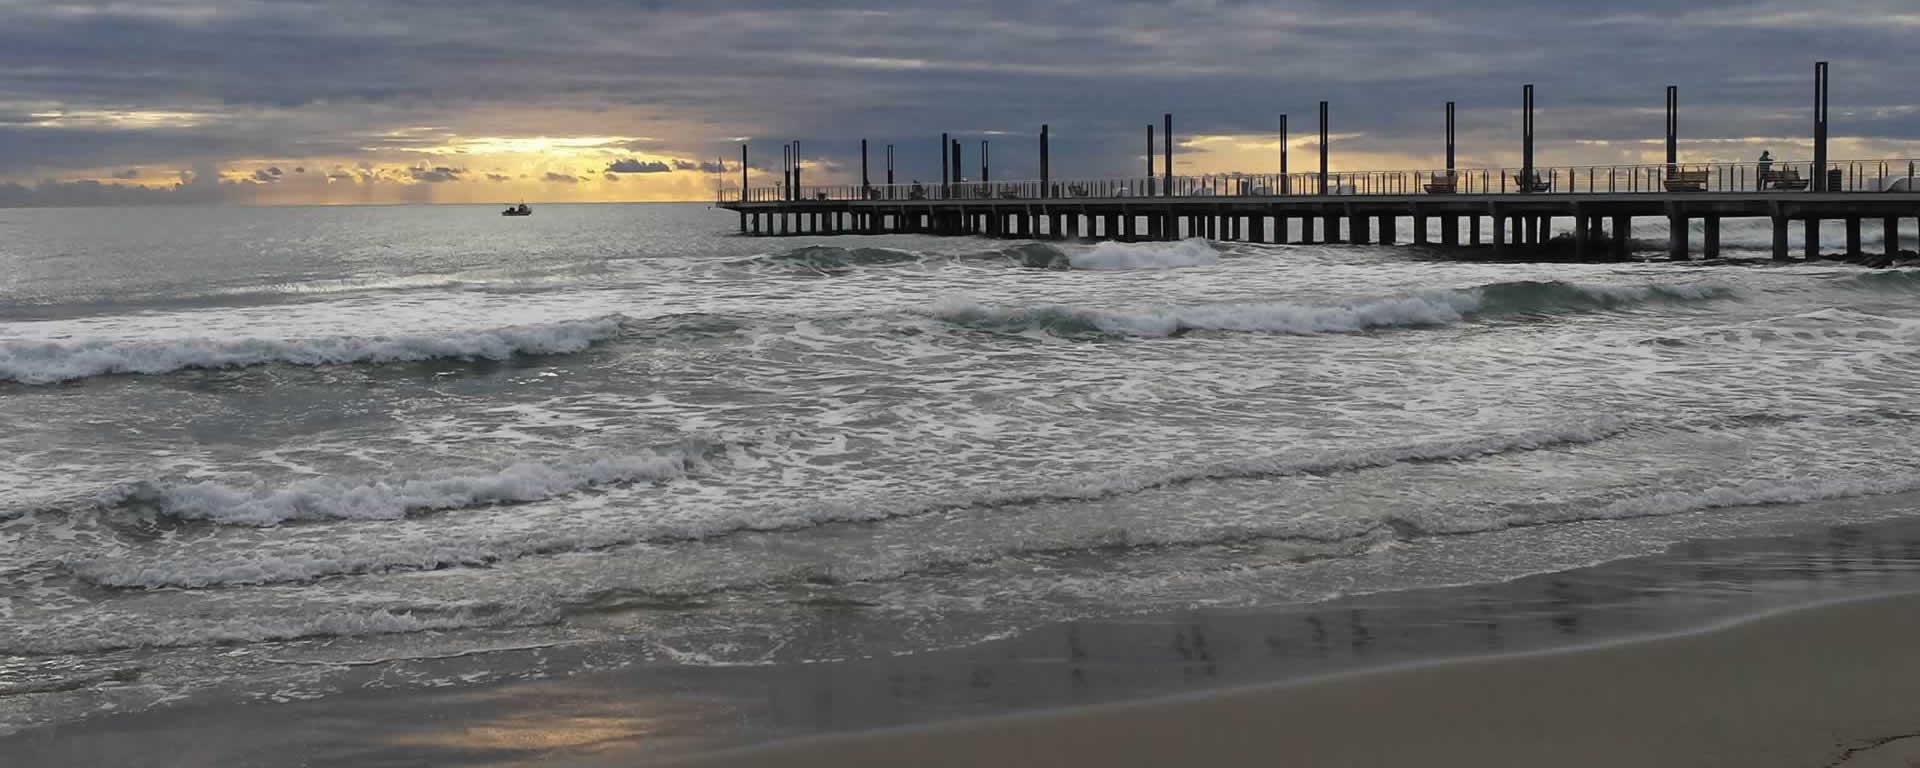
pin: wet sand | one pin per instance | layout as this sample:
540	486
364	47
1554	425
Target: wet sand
1493	674
1831	685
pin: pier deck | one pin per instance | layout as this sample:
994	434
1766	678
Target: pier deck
1506	220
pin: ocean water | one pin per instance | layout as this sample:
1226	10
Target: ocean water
249	450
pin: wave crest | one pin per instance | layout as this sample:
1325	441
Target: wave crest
1111	255
1419	310
328	498
55	362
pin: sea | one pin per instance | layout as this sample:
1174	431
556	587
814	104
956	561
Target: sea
276	455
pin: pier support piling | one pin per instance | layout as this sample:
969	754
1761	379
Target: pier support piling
1710	237
1890	235
1676	232
1780	238
1853	236
1813	237
1622	237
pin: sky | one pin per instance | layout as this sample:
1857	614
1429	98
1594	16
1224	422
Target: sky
264	102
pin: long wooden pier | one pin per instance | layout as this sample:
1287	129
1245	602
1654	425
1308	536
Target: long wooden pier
1506	208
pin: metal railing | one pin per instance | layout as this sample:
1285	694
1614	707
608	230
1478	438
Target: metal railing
1780	176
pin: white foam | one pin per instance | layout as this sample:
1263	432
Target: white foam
456	549
35	362
1118	256
327	498
88	632
1417	310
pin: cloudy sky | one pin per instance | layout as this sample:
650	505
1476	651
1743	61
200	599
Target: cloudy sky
354	101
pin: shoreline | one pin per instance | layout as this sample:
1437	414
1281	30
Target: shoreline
1833	684
649	713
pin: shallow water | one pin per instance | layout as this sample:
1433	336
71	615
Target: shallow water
243	441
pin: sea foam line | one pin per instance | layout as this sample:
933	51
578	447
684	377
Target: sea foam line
329	498
38	362
452	549
1424	309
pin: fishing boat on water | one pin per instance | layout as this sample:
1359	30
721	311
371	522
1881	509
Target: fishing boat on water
517	210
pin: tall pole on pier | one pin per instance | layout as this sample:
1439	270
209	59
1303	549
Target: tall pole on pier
1286	182
786	171
984	178
889	165
743	172
866	181
956	161
1166	140
796	170
1450	136
1526	139
1149	159
942	157
1046	178
1323	148
1673	129
1820	126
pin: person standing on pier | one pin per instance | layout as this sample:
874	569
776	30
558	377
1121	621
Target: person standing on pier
1762	169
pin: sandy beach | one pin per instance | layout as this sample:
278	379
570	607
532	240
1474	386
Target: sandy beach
1830	685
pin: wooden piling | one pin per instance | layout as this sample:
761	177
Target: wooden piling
1780	238
1499	230
1622	237
1890	235
1676	232
1853	236
1813	237
1710	237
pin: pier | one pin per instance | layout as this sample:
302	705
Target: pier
1508	209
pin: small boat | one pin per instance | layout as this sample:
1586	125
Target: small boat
517	210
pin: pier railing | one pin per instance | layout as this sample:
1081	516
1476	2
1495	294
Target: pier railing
1783	177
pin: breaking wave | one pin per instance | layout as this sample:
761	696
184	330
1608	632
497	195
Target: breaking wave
829	259
1193	252
54	362
1421	310
327	498
457	550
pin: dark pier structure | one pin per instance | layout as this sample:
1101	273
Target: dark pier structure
1518	206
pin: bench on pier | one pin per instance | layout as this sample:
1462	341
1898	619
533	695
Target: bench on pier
1075	190
1009	194
1442	185
1533	183
1787	179
1687	181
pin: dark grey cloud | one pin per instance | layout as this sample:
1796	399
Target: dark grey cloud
501	177
562	178
296	79
630	165
436	174
714	167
